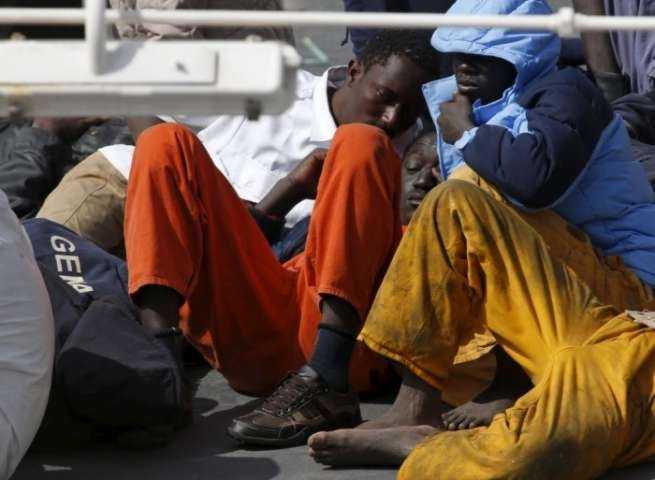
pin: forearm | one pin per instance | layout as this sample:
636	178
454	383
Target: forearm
281	199
597	45
600	56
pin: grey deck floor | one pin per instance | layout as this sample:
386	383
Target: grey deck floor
204	452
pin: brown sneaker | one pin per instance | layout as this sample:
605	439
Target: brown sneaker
301	405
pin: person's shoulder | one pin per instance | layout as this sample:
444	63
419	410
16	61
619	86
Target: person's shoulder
305	84
569	95
569	81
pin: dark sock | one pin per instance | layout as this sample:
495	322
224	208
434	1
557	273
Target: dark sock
331	357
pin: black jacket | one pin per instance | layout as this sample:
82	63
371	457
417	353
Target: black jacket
32	162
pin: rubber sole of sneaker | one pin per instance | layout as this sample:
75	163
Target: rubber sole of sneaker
297	440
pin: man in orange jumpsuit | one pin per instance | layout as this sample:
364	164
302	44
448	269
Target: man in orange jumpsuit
197	259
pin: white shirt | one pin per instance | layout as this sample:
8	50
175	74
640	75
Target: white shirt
26	342
255	155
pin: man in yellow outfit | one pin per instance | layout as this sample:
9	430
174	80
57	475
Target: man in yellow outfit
485	263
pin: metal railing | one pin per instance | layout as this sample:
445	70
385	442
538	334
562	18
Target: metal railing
565	21
124	71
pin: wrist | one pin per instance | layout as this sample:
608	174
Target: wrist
295	190
270	225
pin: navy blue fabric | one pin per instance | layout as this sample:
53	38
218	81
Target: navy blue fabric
566	115
291	241
645	154
361	36
114	375
108	370
638	112
572	53
87	268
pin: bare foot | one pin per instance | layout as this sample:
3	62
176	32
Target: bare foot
509	384
417	403
379	447
475	413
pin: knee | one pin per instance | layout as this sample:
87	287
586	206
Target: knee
458	191
156	146
455	194
360	132
360	146
163	133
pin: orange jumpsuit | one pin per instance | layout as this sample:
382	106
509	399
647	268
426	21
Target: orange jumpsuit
253	318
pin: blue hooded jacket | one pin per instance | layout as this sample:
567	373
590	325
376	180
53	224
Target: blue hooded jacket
551	140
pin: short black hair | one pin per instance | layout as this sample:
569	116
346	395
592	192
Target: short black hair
413	44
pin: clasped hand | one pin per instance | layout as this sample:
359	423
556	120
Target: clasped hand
455	118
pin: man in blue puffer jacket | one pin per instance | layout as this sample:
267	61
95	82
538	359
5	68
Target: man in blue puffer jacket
550	141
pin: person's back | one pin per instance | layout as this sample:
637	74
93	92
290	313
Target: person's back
633	50
546	140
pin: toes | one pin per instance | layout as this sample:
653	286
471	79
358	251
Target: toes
447	417
318	457
463	423
453	422
318	441
324	458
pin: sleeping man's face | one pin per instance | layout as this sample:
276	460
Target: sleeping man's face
419	174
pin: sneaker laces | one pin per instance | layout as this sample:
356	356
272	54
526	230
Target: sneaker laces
291	392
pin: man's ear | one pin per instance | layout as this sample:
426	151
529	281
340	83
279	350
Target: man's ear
355	71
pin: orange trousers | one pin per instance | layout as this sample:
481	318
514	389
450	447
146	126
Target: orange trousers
253	318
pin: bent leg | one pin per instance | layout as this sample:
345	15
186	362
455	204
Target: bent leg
571	425
186	229
611	282
90	200
353	233
471	271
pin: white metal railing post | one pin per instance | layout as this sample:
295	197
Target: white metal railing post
96	35
101	76
565	22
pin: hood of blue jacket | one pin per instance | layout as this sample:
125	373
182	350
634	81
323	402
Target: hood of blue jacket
533	53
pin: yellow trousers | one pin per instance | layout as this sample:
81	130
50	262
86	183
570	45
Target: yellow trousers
472	271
